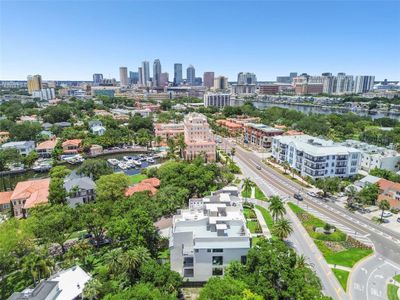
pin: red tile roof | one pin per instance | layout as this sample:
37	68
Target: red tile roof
33	191
155	182
75	142
5	197
50	144
149	185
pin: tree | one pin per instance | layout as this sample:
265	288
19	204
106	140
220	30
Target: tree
94	168
158	140
56	113
328	185
222	288
29	159
132	259
111	187
369	194
39	264
233	151
277	208
59	171
285	166
383	205
92	288
351	194
181	144
282	228
140	291
8	155
247	186
57	191
171	148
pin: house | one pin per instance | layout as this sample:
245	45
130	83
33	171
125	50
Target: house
47	133
208	236
47	126
28	194
369	179
65	285
45	149
389	191
80	190
98	130
96	150
4	136
5	198
63	124
150	185
233	128
24	147
72	146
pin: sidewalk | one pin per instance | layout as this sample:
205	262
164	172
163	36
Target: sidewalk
263	224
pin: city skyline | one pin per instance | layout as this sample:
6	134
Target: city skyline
270	43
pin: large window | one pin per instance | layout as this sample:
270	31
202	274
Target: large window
217	271
243	259
218	250
218	260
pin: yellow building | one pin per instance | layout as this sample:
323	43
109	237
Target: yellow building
34	83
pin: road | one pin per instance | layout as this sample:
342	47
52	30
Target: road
386	242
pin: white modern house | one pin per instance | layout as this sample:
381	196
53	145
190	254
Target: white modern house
24	147
315	157
209	235
96	127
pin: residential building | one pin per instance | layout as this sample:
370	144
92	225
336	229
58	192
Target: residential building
190	75
24	147
316	158
156	72
220	83
363	84
80	190
28	194
389	191
208	236
246	78
149	185
234	129
168	130
96	127
97	79
243	88
45	149
133	77
208	79
5	198
141	80
34	83
64	285
72	146
145	73
123	77
286	79
268	89
198	81
95	150
198	137
177	74
217	99
260	135
344	84
44	94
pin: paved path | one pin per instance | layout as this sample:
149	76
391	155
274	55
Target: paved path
261	220
340	267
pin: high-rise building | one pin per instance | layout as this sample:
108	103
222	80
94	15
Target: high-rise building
198	81
177	74
246	78
164	79
34	83
344	84
190	75
133	77
220	83
145	73
364	84
208	79
97	79
286	79
123	76
156	72
217	99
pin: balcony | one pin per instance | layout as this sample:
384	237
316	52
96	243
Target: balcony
341	157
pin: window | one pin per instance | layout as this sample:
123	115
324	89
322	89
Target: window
218	250
218	260
196	250
208	250
243	259
217	271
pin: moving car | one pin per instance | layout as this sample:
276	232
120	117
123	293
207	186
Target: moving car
387	214
312	194
258	167
298	196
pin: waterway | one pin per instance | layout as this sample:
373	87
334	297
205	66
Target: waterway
320	110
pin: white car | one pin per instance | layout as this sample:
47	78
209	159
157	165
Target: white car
312	194
387	214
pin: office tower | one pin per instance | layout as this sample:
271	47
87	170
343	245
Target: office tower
164	79
364	84
198	81
246	78
97	79
344	83
190	75
329	83
34	83
123	76
292	75
177	74
156	72
133	77
286	79
208	79
146	73
220	83
140	71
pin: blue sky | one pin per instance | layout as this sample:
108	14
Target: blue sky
71	40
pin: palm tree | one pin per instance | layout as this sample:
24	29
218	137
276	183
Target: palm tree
301	261
282	228
114	261
171	148
247	186
351	194
285	166
133	259
39	266
277	208
157	140
383	205
91	291
233	152
181	144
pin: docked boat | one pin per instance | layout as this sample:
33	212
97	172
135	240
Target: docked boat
127	158
137	162
122	166
113	161
150	160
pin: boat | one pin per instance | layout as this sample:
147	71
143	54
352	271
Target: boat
122	165
137	162
150	160
127	158
113	161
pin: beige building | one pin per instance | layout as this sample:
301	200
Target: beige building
34	83
220	83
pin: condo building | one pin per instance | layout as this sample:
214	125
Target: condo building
208	236
198	137
316	158
34	83
217	99
260	135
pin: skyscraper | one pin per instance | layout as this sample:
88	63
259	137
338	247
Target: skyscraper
133	77
146	73
177	74
156	72
97	79
140	71
34	83
364	84
123	76
190	75
208	79
220	83
164	79
246	78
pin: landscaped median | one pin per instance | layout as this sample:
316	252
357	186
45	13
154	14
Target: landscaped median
251	220
258	193
393	289
339	249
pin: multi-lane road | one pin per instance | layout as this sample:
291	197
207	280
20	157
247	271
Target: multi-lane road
368	280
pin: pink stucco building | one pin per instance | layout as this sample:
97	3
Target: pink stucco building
198	137
168	130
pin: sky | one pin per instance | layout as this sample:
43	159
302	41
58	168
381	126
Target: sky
71	40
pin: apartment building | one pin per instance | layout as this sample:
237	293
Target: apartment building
168	130
208	236
217	99
260	135
316	158
198	137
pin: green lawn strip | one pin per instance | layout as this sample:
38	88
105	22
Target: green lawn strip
252	225
259	194
287	175
136	178
397	278
246	194
392	292
342	276
267	216
249	213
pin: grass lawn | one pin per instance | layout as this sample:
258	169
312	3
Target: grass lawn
287	175
249	213
392	292
267	216
136	178
259	194
246	194
342	276
397	278
252	225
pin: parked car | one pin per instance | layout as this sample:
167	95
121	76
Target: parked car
398	219
312	194
385	221
298	196
258	167
387	214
